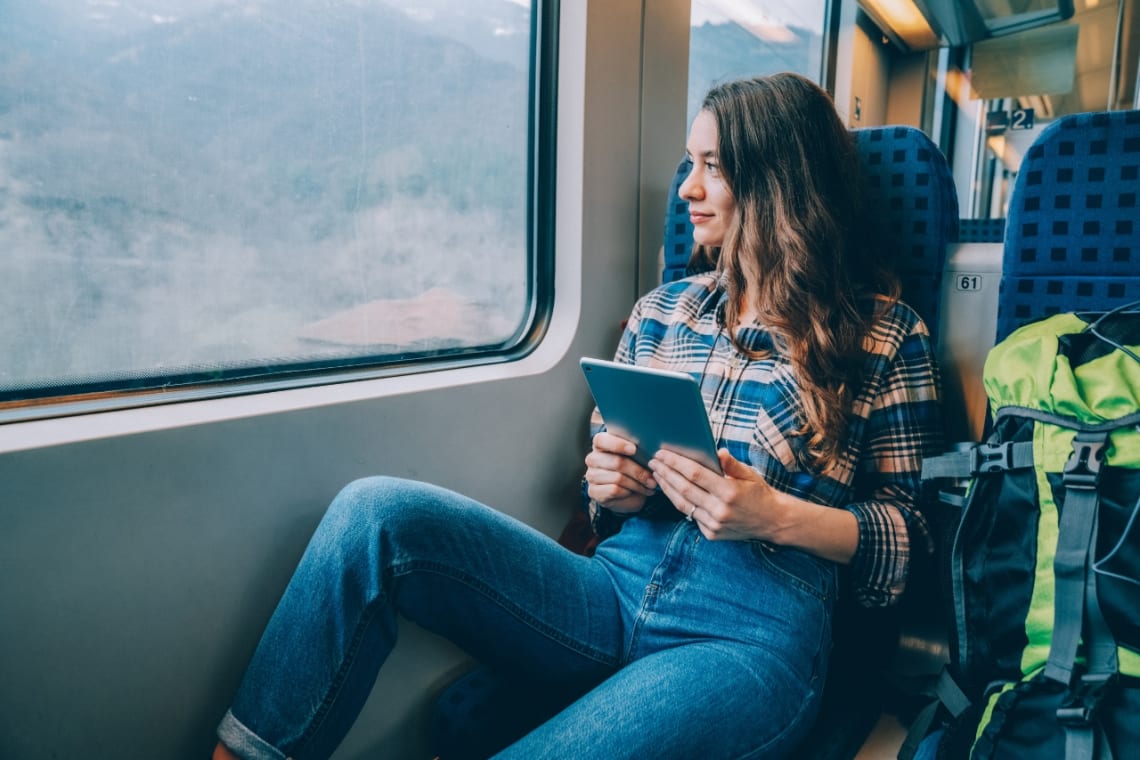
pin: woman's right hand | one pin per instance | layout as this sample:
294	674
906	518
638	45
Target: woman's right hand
615	480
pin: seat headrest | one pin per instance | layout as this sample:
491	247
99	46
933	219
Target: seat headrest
1073	231
912	192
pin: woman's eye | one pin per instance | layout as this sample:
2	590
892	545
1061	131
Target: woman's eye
711	167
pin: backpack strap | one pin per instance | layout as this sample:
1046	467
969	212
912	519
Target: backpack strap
1076	604
1071	565
947	694
981	458
1084	738
971	460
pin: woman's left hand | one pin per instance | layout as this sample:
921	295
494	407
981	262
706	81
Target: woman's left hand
741	505
736	506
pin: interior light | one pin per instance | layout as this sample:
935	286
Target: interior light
996	143
959	89
905	21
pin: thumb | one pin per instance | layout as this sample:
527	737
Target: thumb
734	468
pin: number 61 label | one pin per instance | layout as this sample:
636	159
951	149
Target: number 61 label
969	282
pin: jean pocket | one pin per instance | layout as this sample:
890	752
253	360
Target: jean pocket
806	572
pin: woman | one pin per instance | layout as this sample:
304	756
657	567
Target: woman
702	624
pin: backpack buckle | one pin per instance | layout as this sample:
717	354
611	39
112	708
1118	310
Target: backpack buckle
1080	706
1083	466
992	457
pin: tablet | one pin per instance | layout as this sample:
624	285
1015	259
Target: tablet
654	408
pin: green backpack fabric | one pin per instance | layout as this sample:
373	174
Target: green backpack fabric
1045	564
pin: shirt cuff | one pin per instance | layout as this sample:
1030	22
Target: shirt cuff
879	567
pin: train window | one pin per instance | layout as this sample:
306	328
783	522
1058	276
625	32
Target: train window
195	191
737	38
1020	83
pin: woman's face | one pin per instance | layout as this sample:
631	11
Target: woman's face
711	205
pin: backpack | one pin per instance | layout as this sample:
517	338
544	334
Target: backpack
1045	562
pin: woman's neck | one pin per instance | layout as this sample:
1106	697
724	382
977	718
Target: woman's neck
745	315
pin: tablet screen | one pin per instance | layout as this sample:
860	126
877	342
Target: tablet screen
656	409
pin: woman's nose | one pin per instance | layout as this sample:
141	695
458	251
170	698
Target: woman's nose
690	188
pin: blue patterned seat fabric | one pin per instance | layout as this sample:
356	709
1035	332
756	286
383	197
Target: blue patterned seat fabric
912	192
1074	224
678	229
981	230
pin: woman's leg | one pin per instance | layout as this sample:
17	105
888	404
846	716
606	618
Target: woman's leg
708	700
727	650
504	592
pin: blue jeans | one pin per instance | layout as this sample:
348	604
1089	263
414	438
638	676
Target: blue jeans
678	646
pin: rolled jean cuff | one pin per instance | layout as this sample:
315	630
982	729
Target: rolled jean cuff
244	743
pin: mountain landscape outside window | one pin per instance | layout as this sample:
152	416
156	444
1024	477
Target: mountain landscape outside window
192	189
730	39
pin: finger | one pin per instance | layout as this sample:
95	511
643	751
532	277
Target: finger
668	488
615	498
600	462
679	489
614	444
605	485
690	469
736	469
709	510
620	468
606	492
626	505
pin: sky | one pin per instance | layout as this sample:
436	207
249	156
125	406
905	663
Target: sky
767	19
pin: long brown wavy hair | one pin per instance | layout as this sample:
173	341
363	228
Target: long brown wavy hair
801	248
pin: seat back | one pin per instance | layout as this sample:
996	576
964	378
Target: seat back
912	193
1073	234
678	245
981	230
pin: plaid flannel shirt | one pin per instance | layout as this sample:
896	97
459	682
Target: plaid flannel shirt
754	408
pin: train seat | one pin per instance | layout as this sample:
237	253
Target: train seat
1070	243
913	193
1073	235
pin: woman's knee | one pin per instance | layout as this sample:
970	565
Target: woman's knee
367	504
405	520
397	504
381	493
